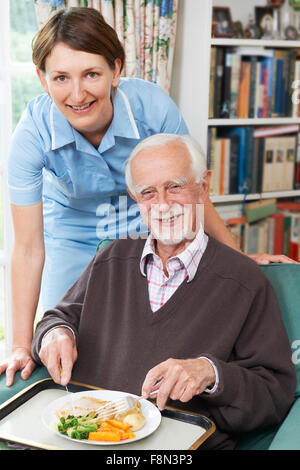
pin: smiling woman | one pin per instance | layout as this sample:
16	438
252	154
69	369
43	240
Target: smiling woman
66	163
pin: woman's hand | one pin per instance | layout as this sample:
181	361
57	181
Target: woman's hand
266	258
20	359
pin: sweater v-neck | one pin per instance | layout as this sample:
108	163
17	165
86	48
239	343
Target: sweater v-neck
179	296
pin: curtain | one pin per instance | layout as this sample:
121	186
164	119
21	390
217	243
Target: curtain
146	28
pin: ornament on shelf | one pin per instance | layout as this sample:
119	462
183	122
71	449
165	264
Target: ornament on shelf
275	3
238	29
252	31
295	4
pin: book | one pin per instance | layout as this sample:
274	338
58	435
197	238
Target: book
288	205
247	180
241	133
253	62
296	90
268	164
278	233
287	178
211	81
226	90
212	158
295	237
286	234
218	82
276	130
258	210
244	92
278	83
235	84
216	172
297	164
233	164
262	236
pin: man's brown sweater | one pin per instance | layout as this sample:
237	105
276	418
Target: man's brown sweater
228	313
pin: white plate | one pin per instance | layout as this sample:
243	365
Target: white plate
151	413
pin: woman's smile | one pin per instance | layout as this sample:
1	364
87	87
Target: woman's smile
83	109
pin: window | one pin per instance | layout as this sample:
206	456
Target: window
18	85
24	82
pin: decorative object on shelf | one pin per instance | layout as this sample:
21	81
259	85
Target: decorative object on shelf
264	20
252	31
295	4
276	31
275	3
238	30
291	33
222	22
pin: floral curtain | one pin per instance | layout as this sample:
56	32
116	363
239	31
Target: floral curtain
146	28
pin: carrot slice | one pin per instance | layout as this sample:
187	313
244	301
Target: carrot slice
104	436
118	424
127	435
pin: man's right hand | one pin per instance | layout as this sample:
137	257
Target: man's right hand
58	353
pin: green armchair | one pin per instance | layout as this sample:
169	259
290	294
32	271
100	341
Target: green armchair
286	282
285	279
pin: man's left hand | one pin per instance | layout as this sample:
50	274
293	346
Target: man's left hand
181	379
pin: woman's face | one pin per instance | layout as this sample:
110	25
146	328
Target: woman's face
80	84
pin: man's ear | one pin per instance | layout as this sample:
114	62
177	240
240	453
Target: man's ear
205	187
43	80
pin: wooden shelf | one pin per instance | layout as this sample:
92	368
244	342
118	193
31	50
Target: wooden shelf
280	121
253	42
250	197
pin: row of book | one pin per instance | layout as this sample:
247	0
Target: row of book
253	82
245	160
277	234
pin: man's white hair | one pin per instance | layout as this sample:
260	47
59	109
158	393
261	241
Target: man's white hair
198	158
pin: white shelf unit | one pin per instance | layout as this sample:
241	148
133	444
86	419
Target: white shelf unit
252	197
190	85
253	121
253	42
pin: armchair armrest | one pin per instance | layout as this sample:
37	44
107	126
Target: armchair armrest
287	436
39	373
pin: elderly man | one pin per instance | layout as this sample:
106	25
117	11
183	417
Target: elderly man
179	313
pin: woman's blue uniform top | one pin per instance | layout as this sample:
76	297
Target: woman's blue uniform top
83	188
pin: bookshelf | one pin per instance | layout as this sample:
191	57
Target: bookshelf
277	232
190	88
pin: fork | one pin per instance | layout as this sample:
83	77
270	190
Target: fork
115	407
118	406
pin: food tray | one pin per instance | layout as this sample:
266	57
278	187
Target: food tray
21	423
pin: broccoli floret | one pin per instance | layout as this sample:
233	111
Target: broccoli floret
76	434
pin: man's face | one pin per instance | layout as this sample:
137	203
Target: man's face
168	196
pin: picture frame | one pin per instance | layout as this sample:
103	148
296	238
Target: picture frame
264	21
222	22
291	33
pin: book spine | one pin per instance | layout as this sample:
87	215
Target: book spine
211	81
226	92
235	84
252	87
234	158
278	233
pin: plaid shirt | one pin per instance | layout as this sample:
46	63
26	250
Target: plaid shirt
179	267
182	266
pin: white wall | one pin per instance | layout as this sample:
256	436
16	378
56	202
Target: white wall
191	65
